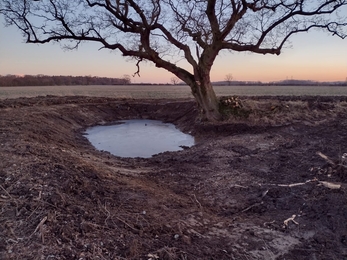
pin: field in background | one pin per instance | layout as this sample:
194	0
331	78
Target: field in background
163	91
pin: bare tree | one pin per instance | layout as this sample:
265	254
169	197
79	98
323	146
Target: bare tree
164	31
229	78
174	80
126	79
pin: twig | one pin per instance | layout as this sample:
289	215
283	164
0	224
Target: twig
42	234
327	184
330	185
39	225
12	241
238	186
286	222
268	223
125	223
296	184
248	208
108	214
94	225
32	212
264	194
196	200
342	165
326	158
6	191
152	256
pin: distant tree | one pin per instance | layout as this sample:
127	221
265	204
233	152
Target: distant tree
174	80
126	79
165	31
229	78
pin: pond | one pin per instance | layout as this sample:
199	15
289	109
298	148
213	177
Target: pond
138	138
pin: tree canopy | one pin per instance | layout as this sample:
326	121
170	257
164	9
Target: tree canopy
166	31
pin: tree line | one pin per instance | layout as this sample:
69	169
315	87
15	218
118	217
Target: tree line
44	80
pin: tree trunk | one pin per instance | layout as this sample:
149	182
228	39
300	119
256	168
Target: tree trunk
207	101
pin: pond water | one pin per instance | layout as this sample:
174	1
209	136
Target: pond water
138	138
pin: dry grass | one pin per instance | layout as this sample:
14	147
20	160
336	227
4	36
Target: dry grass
280	112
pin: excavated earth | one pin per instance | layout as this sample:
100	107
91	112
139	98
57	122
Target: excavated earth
269	183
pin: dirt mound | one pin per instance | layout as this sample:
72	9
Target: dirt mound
267	184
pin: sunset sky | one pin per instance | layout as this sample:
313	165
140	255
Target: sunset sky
313	56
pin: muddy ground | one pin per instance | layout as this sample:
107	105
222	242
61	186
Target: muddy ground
231	196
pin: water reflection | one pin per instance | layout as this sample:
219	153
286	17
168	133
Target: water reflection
138	138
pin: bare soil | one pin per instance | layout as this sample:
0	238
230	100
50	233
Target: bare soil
231	196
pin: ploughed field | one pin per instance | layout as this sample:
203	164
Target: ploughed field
167	91
268	183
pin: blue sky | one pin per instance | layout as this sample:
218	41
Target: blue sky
314	56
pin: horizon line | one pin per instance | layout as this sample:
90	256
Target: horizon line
165	83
